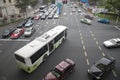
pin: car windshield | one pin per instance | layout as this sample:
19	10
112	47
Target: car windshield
113	41
6	31
28	30
16	32
56	72
101	66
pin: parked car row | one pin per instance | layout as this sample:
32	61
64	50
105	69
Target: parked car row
24	28
66	67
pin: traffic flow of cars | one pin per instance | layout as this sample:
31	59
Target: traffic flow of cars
63	69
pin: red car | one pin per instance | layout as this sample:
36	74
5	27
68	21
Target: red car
17	33
37	17
61	71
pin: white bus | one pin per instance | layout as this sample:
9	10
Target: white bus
34	53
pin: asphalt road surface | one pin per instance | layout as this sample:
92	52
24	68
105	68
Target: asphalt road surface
84	45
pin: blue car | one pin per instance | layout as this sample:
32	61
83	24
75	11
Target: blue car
106	21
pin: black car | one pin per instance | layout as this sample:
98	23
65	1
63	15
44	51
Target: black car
7	33
102	66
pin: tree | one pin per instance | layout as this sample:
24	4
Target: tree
23	4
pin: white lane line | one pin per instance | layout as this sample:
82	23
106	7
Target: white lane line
92	34
15	40
114	73
82	42
80	34
100	48
46	22
117	27
94	38
54	22
103	54
84	47
87	62
97	42
85	53
81	38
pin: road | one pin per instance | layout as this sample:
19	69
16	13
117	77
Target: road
84	45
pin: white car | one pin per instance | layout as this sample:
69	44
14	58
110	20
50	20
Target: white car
115	42
56	16
86	21
29	31
79	11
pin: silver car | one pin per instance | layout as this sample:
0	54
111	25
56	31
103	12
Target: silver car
29	31
115	42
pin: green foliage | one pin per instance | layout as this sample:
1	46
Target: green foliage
23	4
113	5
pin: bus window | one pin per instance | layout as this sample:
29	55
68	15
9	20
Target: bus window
19	58
38	54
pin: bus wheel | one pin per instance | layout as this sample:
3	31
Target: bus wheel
45	57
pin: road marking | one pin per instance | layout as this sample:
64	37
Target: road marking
94	38
82	42
46	22
97	42
70	13
54	22
84	47
117	27
85	53
79	31
81	38
92	34
100	48
87	62
103	54
14	39
80	34
114	73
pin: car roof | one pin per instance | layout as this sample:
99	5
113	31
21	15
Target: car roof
62	66
104	61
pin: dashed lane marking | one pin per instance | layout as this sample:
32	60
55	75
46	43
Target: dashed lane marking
114	73
100	48
87	62
103	54
97	42
81	38
84	47
85	53
94	38
93	35
82	42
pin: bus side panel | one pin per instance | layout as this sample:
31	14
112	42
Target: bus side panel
37	63
59	42
22	66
